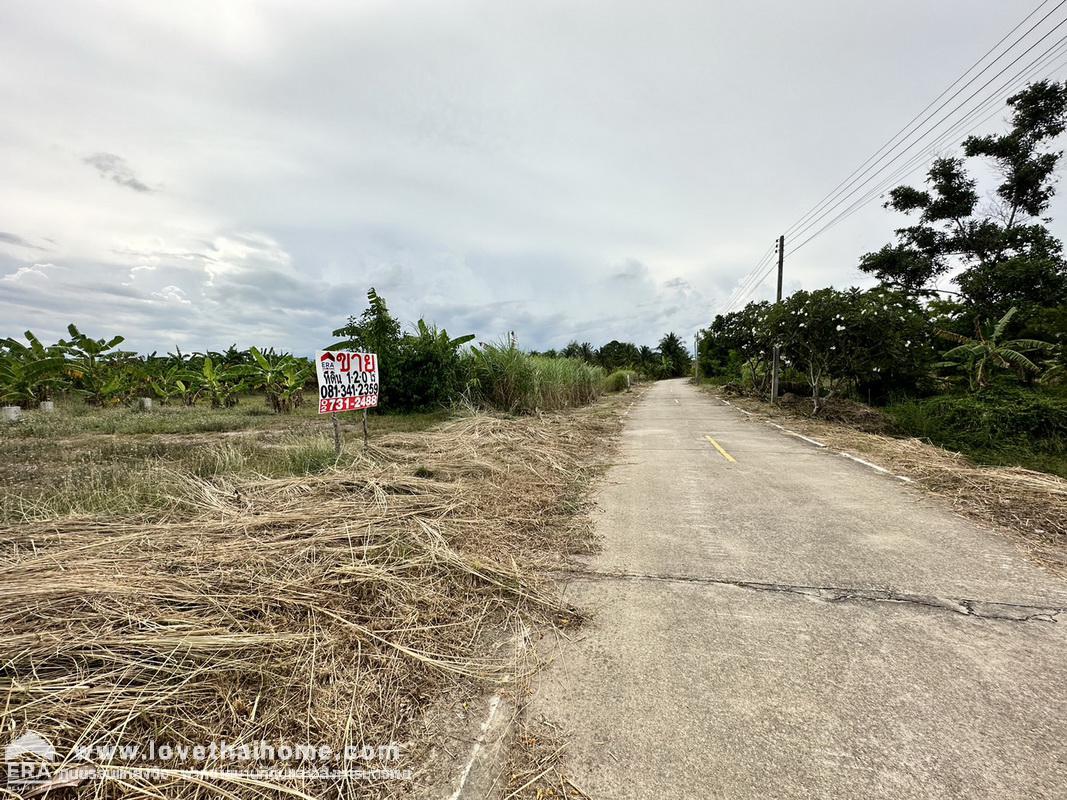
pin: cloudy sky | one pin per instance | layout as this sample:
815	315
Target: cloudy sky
201	173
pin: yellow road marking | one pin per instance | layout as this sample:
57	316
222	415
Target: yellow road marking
722	452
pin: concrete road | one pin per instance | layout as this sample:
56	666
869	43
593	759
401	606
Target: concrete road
793	624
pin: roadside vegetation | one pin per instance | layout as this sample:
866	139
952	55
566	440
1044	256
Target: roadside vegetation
508	379
979	369
424	369
86	442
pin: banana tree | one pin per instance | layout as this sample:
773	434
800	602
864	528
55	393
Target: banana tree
440	337
174	382
221	385
979	355
281	377
93	367
289	391
29	373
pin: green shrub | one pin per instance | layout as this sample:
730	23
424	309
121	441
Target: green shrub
619	380
417	371
511	380
430	369
998	426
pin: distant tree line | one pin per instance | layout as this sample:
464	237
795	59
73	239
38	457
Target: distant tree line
670	358
419	369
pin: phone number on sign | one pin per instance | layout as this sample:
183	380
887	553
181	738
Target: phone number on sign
333	405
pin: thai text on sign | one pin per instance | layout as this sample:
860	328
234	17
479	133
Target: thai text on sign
348	381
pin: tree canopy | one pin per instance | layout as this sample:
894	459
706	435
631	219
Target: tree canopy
1007	254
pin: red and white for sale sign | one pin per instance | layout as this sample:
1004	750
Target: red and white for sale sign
348	381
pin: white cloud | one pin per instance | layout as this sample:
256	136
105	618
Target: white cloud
207	173
241	252
172	294
141	268
32	272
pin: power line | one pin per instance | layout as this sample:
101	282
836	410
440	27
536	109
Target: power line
754	278
744	283
969	121
811	223
846	190
766	273
918	118
995	100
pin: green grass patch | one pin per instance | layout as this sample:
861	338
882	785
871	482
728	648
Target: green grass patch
115	461
1001	426
73	418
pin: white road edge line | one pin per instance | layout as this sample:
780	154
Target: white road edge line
494	704
802	436
841	453
859	460
746	413
883	470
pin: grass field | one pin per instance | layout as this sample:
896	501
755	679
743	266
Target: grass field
85	460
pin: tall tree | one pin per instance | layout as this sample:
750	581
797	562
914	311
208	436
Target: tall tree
584	351
617	355
1009	258
676	359
375	330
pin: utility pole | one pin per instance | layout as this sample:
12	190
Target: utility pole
696	356
778	298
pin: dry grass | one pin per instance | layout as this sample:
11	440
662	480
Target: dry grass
322	609
1032	506
537	768
115	461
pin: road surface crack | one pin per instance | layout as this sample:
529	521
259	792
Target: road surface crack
982	609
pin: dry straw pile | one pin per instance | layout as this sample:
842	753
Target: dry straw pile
327	609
